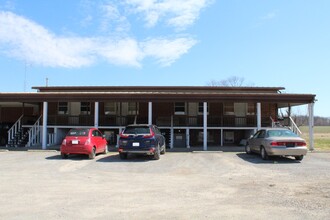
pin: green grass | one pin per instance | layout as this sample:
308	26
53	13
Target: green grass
321	136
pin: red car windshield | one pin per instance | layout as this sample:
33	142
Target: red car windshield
78	132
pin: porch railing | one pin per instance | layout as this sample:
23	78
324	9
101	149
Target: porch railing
294	127
35	134
164	121
15	128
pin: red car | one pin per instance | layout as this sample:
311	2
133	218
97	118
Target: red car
88	141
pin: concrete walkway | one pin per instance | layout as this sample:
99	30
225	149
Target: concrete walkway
114	149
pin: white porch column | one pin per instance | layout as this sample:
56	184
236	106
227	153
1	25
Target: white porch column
118	135
187	138
205	126
96	115
221	137
311	126
172	133
44	125
150	113
258	116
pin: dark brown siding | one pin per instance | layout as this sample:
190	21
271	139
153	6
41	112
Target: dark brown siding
216	109
11	114
52	108
163	109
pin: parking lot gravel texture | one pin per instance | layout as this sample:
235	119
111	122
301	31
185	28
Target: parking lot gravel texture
181	185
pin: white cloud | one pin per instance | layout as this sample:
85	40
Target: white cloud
112	16
269	16
26	40
177	13
167	51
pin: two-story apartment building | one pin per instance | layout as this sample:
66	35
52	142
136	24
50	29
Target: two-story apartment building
188	116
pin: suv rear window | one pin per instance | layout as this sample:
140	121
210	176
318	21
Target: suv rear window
137	130
78	132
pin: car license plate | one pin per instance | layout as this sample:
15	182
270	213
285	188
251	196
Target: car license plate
75	141
289	144
136	144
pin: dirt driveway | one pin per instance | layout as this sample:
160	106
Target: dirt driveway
207	185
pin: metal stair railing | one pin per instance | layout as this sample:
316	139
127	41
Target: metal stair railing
294	127
34	134
14	130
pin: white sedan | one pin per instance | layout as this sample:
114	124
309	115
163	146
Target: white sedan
276	142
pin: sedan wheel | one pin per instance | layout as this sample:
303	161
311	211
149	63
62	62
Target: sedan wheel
64	156
264	154
299	157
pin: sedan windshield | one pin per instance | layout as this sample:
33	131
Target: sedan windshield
137	130
281	133
78	132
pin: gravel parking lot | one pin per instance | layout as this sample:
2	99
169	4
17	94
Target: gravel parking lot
194	185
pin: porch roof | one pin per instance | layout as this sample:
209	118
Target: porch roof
192	89
166	94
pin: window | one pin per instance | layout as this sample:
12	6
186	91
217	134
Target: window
96	133
262	134
78	132
251	109
63	108
201	108
110	108
229	137
85	108
228	108
133	108
180	108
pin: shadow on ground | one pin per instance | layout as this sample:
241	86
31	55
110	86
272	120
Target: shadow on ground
132	158
256	159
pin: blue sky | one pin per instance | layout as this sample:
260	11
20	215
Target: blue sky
166	42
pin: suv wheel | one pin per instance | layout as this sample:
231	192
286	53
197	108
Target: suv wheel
123	156
164	149
157	153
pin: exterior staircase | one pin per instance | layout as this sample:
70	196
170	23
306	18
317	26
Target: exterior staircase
290	125
19	136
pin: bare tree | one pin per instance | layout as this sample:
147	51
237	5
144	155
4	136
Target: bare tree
233	81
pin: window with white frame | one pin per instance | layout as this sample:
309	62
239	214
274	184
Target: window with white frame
63	108
180	108
251	109
228	108
85	108
201	108
110	108
133	108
